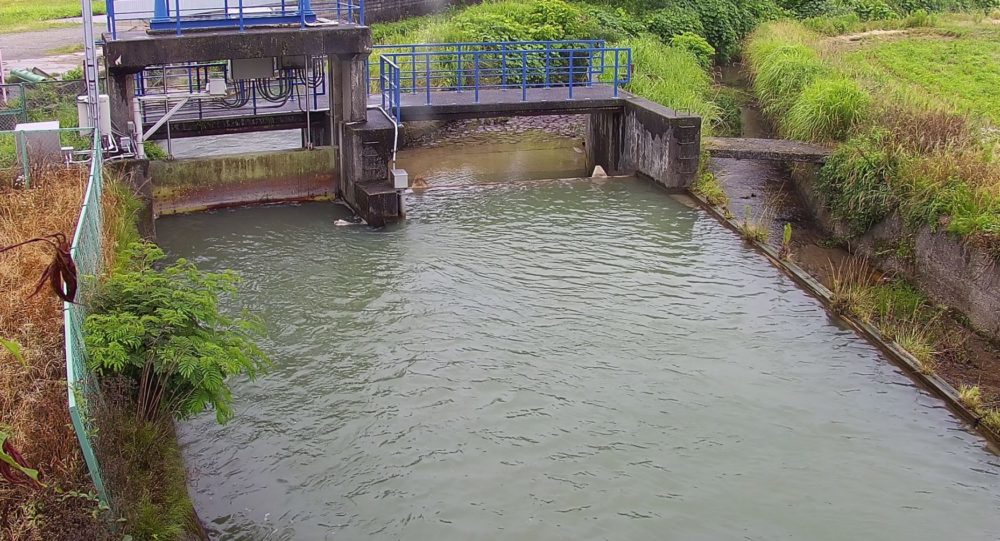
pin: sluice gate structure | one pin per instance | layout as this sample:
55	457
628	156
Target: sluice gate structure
188	68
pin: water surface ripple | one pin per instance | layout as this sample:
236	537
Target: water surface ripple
562	360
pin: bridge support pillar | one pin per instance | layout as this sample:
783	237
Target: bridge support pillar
646	139
365	156
121	94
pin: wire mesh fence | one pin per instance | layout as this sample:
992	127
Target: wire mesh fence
87	251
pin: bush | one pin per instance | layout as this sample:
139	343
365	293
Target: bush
834	26
696	45
162	328
872	10
857	181
613	25
826	110
670	22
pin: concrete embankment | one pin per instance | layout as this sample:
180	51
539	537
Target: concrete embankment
953	272
196	184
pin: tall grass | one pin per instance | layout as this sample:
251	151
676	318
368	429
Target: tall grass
672	77
829	109
33	397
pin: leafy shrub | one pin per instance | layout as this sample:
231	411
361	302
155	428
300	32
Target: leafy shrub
696	45
826	110
810	8
613	25
857	181
163	329
669	22
872	10
834	25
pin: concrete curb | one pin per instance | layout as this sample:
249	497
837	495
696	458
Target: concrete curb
902	358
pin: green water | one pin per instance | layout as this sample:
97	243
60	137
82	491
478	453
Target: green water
560	360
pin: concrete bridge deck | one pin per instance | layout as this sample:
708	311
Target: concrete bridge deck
765	149
213	119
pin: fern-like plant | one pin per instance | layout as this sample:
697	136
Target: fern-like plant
163	328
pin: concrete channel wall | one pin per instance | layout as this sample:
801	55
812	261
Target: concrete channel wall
191	185
647	139
950	271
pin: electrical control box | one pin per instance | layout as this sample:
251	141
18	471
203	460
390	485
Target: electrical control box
292	62
243	69
400	179
38	142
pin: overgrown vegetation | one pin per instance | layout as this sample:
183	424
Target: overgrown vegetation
33	392
162	328
915	115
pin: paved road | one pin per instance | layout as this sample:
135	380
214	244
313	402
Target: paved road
34	49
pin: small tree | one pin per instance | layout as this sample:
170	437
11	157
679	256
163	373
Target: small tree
163	329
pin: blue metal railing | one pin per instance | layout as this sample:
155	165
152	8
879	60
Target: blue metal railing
178	16
481	67
389	77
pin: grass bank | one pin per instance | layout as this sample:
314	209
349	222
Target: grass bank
915	114
911	112
25	15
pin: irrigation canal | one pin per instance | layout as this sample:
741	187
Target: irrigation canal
579	359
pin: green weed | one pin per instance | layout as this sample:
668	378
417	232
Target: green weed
829	109
971	396
756	224
708	186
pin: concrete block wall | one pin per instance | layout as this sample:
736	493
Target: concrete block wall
647	139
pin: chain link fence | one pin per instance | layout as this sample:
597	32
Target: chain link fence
87	251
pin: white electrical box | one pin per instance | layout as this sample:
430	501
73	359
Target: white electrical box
251	68
400	179
217	86
39	143
103	113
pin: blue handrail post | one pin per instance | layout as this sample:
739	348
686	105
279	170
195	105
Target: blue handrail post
548	64
413	67
361	20
460	79
111	18
475	60
524	75
571	74
395	93
428	75
339	17
283	7
381	80
177	15
615	82
503	66
242	27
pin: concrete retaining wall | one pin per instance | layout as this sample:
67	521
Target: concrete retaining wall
377	11
270	177
949	271
646	139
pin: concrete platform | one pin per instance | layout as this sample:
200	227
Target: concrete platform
133	51
765	149
451	105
